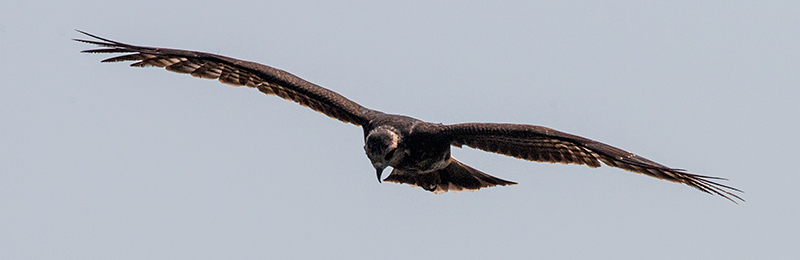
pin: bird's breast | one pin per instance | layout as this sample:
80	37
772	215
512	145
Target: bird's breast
424	155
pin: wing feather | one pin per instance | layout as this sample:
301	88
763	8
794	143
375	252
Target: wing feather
270	81
542	144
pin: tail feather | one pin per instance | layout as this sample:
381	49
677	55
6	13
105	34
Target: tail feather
456	177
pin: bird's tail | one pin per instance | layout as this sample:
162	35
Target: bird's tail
456	177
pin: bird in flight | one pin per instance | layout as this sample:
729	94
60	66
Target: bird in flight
417	151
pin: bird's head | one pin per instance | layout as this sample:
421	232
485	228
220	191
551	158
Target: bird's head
381	146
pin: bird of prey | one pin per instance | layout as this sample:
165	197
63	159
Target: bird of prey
418	151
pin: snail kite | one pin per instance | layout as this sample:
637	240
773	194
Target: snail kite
418	151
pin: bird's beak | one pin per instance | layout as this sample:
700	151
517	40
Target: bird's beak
379	171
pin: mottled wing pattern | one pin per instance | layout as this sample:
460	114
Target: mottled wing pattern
542	144
270	81
456	177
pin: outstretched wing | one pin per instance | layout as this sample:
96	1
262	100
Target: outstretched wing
542	144
269	80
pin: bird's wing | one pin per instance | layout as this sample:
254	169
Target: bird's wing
269	80
542	144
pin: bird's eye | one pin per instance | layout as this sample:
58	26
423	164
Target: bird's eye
389	154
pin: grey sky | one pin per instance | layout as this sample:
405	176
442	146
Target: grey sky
103	161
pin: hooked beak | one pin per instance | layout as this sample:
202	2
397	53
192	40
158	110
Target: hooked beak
379	171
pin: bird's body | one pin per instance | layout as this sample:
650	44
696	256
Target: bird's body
418	151
419	155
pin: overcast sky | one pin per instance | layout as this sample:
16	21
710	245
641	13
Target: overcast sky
104	161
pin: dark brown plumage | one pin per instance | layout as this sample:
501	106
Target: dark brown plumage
418	151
